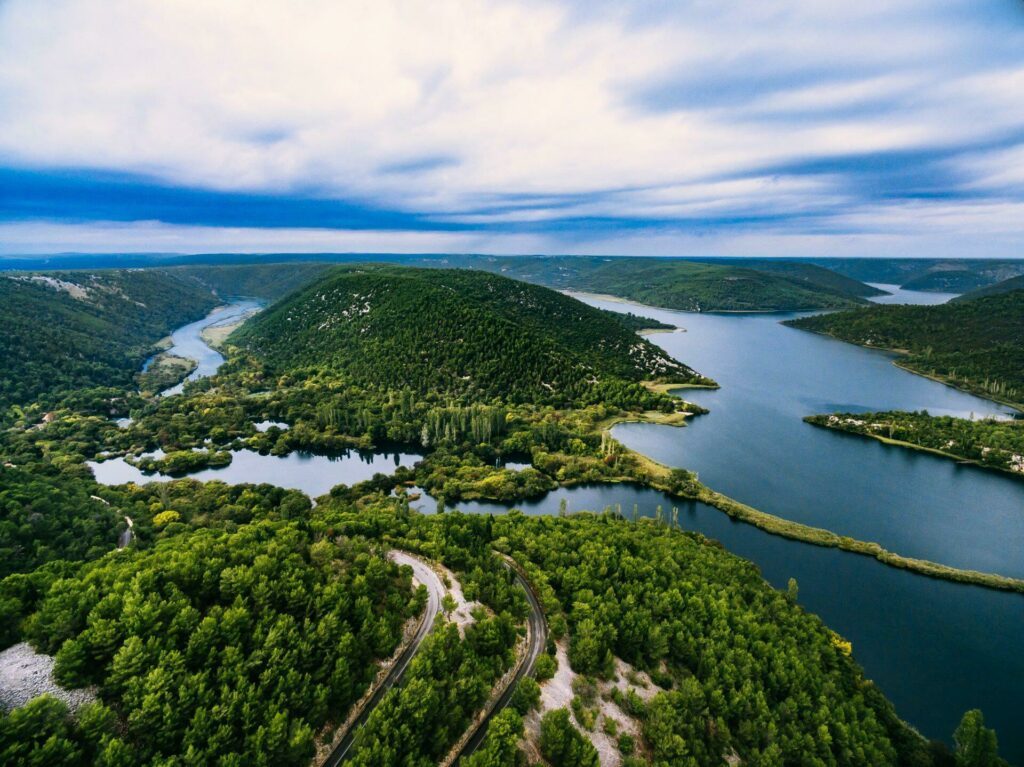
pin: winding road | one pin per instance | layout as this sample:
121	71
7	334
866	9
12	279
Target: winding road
424	574
538	634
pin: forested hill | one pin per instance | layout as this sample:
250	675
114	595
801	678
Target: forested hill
267	281
690	285
977	345
69	330
1006	286
452	332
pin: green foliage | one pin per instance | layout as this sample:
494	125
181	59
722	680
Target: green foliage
758	674
989	442
501	746
46	516
545	667
976	744
43	733
266	281
70	330
562	744
225	646
526	696
977	345
762	285
456	333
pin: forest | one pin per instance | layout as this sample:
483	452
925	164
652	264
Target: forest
66	331
389	328
975	345
688	285
996	444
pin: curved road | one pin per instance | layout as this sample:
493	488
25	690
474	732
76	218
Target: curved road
538	640
435	591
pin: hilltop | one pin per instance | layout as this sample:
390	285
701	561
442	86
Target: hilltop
977	345
452	332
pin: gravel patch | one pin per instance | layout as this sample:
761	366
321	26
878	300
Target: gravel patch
26	674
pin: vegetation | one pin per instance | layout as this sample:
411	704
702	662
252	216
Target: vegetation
223	647
975	345
269	281
389	328
1006	286
949	275
990	443
67	331
690	285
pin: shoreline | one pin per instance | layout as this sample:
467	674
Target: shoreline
653	474
900	362
620	300
961	459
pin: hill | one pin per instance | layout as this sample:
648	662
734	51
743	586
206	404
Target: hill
70	330
684	284
454	333
267	281
977	345
949	275
1006	286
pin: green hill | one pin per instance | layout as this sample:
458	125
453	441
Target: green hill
976	345
69	330
1006	286
452	332
691	286
267	281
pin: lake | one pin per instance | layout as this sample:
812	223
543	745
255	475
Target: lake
315	475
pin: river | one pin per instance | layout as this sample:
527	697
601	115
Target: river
935	648
187	341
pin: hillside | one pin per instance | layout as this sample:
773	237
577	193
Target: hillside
452	332
267	281
684	284
70	330
1006	286
976	345
950	275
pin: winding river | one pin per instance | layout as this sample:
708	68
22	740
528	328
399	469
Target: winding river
935	648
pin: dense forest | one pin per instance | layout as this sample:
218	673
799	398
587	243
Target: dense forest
66	331
269	281
975	345
390	328
1006	286
991	443
947	275
685	284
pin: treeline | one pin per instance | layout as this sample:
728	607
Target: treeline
997	444
65	331
977	345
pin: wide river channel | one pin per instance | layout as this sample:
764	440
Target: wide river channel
935	648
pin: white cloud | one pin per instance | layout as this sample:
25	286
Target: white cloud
511	98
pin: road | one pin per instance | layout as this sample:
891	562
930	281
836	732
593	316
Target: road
423	573
538	640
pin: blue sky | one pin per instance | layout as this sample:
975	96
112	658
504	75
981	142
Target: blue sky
685	128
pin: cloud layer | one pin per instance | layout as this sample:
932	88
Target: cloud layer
693	127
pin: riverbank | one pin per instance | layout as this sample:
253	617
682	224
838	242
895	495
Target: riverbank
839	426
656	475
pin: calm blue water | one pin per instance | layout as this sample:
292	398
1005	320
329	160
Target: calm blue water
313	474
186	342
898	295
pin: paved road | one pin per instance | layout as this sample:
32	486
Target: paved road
435	591
538	640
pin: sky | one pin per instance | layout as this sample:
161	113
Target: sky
694	127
